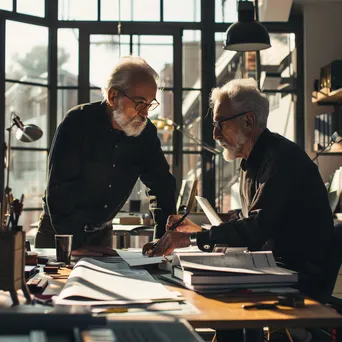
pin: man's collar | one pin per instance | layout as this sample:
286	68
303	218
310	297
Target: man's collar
254	159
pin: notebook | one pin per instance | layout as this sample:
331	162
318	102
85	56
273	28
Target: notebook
209	211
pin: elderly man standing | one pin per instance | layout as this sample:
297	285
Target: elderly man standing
99	151
285	205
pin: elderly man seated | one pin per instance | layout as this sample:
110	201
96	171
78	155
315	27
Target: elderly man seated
285	205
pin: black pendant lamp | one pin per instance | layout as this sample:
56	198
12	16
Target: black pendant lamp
247	34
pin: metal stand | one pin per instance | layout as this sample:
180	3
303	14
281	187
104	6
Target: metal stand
7	197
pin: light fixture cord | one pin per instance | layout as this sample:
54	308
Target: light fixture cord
258	59
322	150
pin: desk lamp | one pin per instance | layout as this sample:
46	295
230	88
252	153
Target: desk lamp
335	138
25	133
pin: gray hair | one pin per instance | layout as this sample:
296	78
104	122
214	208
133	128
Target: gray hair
244	96
126	72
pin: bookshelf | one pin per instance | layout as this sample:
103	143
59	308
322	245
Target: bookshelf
325	96
335	148
327	123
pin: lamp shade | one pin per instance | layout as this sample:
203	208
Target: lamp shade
29	133
247	34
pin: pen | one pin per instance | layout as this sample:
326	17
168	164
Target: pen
166	259
110	310
261	306
177	223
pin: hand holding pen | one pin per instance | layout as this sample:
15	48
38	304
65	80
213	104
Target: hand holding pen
182	224
174	221
173	238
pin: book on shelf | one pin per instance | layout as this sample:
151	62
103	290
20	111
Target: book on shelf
217	271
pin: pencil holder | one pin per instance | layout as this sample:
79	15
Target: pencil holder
12	264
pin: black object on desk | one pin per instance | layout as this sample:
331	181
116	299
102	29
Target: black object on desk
30	271
261	306
37	285
293	300
51	269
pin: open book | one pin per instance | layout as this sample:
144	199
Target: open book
231	270
213	218
93	282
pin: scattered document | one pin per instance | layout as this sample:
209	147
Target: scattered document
251	262
93	282
209	211
134	256
334	191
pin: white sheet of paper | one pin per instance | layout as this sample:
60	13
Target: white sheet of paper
134	256
209	211
93	282
251	263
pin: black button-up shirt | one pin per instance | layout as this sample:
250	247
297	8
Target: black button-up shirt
285	208
94	167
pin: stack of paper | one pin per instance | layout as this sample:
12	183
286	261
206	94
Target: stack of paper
93	282
206	272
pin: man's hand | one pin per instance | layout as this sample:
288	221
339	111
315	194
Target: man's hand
149	247
186	226
170	241
94	251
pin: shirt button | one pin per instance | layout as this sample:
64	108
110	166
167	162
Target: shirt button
113	165
110	185
105	206
206	246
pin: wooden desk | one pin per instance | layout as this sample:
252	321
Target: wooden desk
226	312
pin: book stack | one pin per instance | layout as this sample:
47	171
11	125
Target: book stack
215	272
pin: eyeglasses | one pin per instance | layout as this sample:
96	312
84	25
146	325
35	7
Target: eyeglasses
218	124
140	105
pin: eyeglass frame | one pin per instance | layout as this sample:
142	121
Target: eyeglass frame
217	124
139	103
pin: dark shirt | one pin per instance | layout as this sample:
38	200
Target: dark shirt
285	208
94	167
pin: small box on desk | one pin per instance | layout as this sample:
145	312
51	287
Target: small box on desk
131	220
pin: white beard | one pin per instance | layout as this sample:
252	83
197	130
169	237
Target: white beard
131	126
230	152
